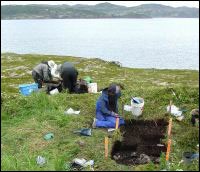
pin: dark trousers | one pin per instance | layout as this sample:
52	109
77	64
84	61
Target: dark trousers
37	78
69	81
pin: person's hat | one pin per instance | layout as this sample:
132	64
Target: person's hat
114	89
51	64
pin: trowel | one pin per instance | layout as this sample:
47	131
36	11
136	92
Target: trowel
84	131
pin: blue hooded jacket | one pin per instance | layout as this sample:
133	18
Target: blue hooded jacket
102	105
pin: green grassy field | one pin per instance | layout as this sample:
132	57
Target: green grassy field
26	119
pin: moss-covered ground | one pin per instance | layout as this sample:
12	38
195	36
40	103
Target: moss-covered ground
26	119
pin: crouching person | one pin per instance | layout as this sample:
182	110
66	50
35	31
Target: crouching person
42	73
107	108
69	75
56	82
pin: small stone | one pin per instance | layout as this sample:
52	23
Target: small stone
40	160
116	157
195	112
180	118
110	134
133	154
181	162
81	143
144	159
157	160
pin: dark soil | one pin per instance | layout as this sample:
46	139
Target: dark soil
140	142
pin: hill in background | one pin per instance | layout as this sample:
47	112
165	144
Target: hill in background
102	10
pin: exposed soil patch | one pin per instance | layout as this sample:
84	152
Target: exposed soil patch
141	142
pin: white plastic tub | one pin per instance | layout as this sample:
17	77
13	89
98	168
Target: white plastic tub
92	88
137	108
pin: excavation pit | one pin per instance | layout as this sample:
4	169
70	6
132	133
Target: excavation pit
141	143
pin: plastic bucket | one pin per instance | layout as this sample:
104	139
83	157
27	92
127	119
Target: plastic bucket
27	89
92	88
137	105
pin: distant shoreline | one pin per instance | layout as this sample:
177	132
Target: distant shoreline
104	18
87	58
76	18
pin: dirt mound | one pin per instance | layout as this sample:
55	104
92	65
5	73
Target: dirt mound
141	142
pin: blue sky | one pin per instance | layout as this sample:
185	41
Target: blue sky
124	3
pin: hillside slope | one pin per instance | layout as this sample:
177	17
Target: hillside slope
26	119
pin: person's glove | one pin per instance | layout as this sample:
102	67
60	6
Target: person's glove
115	115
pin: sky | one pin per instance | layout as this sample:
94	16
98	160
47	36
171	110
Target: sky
124	3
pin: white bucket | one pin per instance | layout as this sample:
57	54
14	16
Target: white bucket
137	108
92	88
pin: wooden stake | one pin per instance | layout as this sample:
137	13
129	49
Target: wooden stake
169	139
168	150
170	128
106	148
117	123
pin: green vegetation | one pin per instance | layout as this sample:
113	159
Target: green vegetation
26	119
102	10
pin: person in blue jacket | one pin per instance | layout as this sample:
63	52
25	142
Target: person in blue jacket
107	108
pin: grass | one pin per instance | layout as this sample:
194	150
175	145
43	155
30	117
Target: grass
26	119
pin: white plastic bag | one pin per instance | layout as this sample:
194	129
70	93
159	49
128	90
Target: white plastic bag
55	91
82	162
71	111
174	110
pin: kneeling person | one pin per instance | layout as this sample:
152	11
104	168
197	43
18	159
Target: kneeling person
107	108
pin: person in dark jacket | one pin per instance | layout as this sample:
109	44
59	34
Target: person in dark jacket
69	75
42	72
107	108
